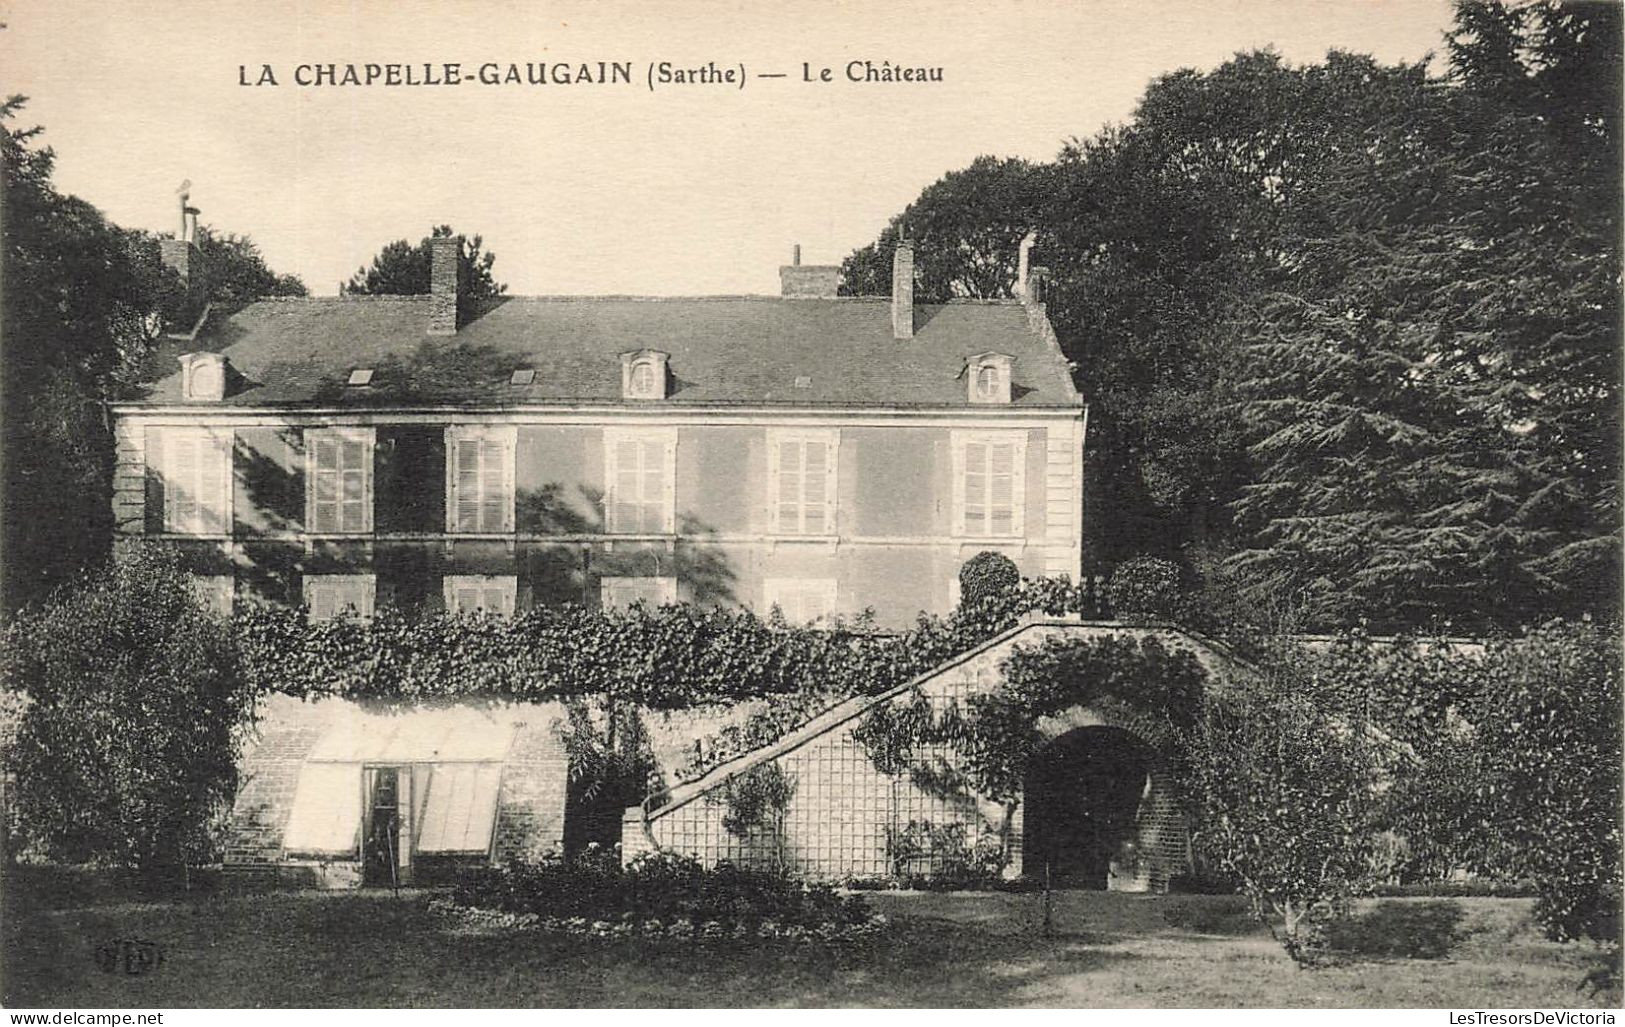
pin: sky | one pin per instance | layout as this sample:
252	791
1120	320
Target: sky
689	189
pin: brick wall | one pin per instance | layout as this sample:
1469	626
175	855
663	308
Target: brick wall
530	811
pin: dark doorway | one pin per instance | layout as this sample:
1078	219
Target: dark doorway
1081	796
381	851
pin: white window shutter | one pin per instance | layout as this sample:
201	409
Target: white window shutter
510	443
832	481
773	484
669	462
1018	485
959	485
452	490
369	460
180	483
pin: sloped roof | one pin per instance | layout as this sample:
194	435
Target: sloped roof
723	350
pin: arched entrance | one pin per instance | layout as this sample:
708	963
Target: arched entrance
1085	797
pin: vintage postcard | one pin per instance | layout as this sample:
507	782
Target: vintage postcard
1019	504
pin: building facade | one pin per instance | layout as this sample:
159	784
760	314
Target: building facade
817	454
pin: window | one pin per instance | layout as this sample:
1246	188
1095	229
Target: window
619	593
990	484
643	374
481	593
197	481
216	592
801	475
639	468
203	376
338	480
801	600
989	375
479	479
333	595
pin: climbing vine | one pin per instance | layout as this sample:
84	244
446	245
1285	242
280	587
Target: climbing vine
670	657
982	747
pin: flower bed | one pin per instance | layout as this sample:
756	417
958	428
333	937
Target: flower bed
657	896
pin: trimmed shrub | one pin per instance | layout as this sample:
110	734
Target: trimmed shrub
987	577
674	891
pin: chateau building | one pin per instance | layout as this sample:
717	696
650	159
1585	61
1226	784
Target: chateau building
826	455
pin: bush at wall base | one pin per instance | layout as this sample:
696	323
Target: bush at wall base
657	895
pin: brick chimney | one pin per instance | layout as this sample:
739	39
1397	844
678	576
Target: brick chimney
902	290
809	281
181	254
1024	259
443	252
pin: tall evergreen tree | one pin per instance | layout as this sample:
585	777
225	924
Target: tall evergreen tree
1429	378
402	269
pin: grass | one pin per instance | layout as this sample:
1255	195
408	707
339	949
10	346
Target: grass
984	949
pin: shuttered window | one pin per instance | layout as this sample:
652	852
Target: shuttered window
802	480
481	593
990	484
197	481
332	595
479	473
640	493
801	600
338	480
619	593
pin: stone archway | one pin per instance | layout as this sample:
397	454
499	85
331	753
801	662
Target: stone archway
1100	806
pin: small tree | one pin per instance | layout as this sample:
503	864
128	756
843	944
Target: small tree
1288	803
759	797
1547	768
129	739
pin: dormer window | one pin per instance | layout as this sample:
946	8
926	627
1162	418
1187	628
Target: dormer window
988	378
643	375
203	376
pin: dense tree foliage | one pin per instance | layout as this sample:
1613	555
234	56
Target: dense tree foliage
85	305
1348	331
1428	377
74	309
135	705
966	229
402	269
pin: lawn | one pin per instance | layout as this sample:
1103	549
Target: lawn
1108	950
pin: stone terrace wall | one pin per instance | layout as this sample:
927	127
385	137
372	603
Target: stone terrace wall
837	820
